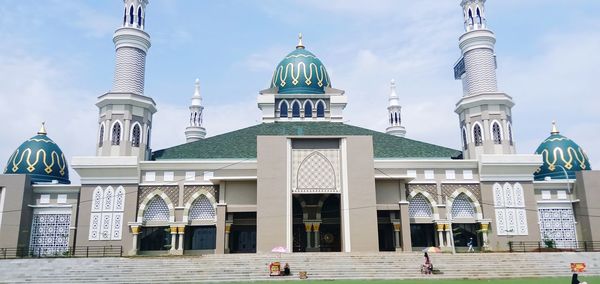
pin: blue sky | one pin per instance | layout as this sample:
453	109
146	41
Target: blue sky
57	56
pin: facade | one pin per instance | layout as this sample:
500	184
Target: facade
302	179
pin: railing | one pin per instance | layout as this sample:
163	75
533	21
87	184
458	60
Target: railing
88	251
553	247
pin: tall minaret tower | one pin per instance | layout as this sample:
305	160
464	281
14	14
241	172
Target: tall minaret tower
394	114
195	131
125	112
484	112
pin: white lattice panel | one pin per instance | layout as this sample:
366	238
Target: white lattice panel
509	198
129	70
500	221
419	206
521	222
462	207
108	202
49	234
558	224
202	209
498	195
316	171
117	226
95	220
519	195
156	210
106	226
119	199
97	200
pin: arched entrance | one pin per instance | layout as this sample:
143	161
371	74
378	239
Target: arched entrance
316	223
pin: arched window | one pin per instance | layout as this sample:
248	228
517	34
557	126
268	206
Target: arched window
108	199
296	109
478	16
320	109
283	109
496	132
478	139
202	209
139	17
135	136
116	134
131	15
510	136
470	17
391	118
462	207
101	136
156	210
464	138
125	16
419	207
397	118
307	109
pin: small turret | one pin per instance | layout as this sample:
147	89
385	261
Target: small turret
195	131
394	113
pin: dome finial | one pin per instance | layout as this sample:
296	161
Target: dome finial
197	88
300	45
554	128
42	130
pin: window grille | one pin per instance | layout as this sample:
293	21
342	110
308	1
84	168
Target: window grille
462	207
156	210
202	209
419	207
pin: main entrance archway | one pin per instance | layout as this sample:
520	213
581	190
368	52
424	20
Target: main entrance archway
316	223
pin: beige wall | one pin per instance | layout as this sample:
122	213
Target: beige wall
272	193
85	207
16	215
388	192
587	210
361	194
240	192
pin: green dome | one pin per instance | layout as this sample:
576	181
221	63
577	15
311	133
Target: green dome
560	152
300	72
41	159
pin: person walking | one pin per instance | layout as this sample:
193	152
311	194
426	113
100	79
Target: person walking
470	244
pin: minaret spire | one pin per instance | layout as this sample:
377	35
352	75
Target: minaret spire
42	130
554	128
394	113
300	45
195	131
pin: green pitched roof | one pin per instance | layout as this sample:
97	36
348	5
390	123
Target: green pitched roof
241	144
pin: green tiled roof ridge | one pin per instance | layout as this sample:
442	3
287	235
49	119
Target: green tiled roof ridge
241	143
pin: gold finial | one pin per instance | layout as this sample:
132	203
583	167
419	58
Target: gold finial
300	45
42	130
554	128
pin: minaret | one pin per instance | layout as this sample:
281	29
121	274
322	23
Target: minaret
125	112
195	131
394	113
484	112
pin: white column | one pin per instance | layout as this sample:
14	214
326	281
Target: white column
181	232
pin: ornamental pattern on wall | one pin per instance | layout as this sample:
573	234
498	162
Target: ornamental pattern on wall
106	218
189	190
462	207
316	171
49	234
509	203
419	206
558	224
157	210
429	188
449	189
202	209
171	191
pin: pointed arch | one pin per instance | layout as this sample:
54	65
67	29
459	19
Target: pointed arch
136	133
320	108
308	108
308	178
145	203
202	193
464	137
498	195
391	118
510	134
469	197
101	135
115	133
139	17
119	199
131	15
283	108
478	14
108	199
496	132
125	16
477	134
295	108
421	205
470	17
97	199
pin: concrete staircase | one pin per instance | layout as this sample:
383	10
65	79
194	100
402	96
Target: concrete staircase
253	267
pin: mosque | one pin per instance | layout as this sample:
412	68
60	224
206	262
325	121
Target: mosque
301	179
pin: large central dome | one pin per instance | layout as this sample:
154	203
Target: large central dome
300	72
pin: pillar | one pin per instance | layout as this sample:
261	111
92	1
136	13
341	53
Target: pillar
135	230
440	230
221	246
173	249
449	238
484	236
307	228
317	234
405	222
180	232
397	228
227	232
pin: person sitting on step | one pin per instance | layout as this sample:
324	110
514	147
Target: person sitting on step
427	267
286	270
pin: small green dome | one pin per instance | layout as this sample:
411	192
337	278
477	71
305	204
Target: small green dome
300	72
558	153
41	159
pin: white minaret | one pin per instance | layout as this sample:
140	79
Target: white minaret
484	112
195	131
125	112
394	113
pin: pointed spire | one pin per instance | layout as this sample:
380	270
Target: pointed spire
300	45
554	128
42	130
197	88
393	89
